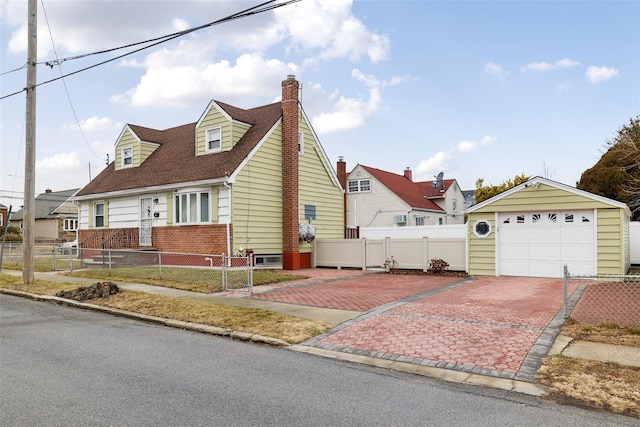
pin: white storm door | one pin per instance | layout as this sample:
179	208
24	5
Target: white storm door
146	221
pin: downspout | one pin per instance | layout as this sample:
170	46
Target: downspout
228	220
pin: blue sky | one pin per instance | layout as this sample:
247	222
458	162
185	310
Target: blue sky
473	89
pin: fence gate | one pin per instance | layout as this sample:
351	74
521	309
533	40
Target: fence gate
237	273
374	253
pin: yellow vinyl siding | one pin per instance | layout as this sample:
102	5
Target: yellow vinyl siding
482	250
146	149
214	205
169	196
231	132
257	200
543	198
610	242
317	188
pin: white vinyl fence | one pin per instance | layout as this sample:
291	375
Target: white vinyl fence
410	254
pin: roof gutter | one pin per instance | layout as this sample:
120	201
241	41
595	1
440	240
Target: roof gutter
146	190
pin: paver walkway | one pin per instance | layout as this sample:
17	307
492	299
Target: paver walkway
497	326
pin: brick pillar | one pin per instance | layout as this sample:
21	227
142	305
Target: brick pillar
290	209
341	171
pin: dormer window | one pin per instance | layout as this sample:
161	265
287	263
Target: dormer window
127	157
214	139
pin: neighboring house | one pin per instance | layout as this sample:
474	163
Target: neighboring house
235	179
56	217
376	198
537	227
469	198
4	215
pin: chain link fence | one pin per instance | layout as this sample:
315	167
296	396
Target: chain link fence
204	273
613	299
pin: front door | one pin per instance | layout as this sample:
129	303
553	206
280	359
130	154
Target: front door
146	221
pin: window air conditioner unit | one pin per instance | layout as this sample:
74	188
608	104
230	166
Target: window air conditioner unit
400	219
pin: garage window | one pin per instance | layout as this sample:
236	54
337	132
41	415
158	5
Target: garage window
482	228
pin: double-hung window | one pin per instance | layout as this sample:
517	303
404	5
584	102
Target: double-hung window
214	136
70	224
359	185
98	214
127	157
192	208
420	220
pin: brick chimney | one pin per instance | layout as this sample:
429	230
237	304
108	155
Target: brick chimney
290	209
408	174
341	171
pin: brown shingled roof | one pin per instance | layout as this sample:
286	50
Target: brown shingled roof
410	192
174	161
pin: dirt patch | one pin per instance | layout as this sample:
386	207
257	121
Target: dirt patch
97	290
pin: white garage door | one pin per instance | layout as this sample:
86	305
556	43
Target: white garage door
539	244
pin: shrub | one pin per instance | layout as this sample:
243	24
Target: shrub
438	265
391	265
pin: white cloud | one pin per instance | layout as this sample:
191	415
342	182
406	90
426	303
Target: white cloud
488	140
182	85
544	66
350	113
566	63
433	165
538	66
467	145
600	74
59	162
496	70
331	28
94	124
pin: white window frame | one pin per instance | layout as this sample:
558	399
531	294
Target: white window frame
455	205
126	155
96	215
420	221
70	224
209	139
300	142
189	207
359	185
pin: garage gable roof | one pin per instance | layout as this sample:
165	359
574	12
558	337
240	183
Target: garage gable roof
536	181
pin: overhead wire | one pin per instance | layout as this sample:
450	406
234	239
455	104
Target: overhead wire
260	8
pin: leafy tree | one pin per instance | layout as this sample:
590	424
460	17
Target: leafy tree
484	192
617	174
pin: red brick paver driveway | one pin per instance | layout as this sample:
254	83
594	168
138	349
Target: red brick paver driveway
498	326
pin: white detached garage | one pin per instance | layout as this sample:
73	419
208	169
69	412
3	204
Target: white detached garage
536	228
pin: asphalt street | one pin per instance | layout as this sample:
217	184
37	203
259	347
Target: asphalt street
66	366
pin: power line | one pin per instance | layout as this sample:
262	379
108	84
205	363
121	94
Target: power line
159	40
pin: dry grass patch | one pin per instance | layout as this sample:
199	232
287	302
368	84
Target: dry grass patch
203	280
609	333
607	386
262	322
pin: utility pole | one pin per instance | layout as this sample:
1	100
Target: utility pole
28	216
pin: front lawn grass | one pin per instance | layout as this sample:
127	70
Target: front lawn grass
262	322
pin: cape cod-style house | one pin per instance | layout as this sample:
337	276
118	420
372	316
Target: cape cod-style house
236	179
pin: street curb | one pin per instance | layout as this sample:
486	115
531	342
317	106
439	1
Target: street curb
179	324
427	371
